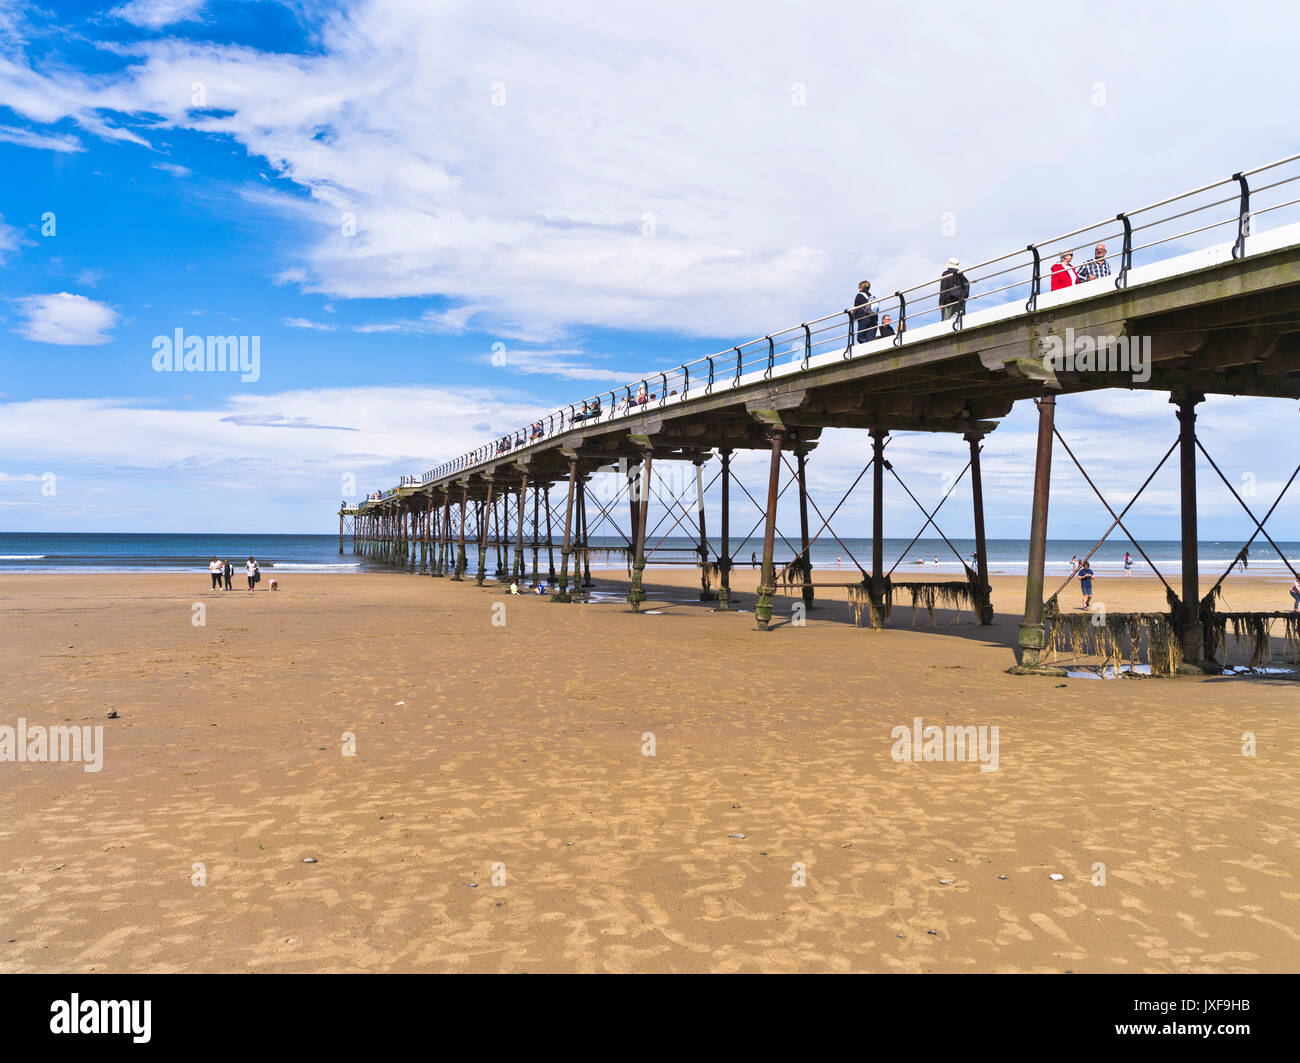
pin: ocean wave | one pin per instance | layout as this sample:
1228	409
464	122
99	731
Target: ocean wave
22	557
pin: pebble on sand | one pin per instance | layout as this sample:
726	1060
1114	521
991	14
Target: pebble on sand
309	860
1056	878
735	835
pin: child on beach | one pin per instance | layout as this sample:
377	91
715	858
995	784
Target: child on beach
227	571
1084	572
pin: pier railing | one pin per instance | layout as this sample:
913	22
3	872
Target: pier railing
1222	211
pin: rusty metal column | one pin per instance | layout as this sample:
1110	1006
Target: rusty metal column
459	571
550	541
636	594
519	539
706	595
564	595
536	500
483	534
984	605
1189	626
878	437
444	548
767	579
586	545
1033	638
724	552
805	557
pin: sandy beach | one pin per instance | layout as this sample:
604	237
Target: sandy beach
514	750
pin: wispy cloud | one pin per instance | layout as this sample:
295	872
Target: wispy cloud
155	14
46	141
302	322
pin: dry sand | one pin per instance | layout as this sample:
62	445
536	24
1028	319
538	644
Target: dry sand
521	745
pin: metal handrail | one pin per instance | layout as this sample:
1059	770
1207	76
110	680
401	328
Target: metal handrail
760	352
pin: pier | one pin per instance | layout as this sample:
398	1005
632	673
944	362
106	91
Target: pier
1203	298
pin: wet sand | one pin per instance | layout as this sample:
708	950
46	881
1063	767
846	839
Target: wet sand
521	745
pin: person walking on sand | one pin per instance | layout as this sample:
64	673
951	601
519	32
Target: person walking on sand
1128	563
214	570
1295	595
254	574
227	571
1084	572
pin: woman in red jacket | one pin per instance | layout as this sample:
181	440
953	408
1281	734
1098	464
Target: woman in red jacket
1063	274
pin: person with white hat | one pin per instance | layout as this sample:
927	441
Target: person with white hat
953	290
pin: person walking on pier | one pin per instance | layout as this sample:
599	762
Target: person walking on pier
1096	267
214	570
1063	273
864	313
1084	572
954	289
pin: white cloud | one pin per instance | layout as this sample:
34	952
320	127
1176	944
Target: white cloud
155	14
48	141
302	322
714	171
175	169
65	319
10	239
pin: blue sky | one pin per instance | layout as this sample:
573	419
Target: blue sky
382	191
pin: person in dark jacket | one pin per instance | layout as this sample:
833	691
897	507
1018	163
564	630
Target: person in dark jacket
886	329
953	290
863	313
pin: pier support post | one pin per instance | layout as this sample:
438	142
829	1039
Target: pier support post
724	554
444	534
483	534
563	595
340	531
458	573
983	605
586	545
706	595
767	581
1188	624
550	541
519	539
805	557
636	594
878	465
1033	636
536	500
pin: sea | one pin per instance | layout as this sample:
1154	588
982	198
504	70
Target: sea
145	552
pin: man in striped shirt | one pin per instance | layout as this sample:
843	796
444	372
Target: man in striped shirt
1098	267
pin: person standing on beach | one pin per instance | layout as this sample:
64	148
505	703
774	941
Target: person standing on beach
1128	563
1084	572
214	570
253	573
1295	595
227	571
